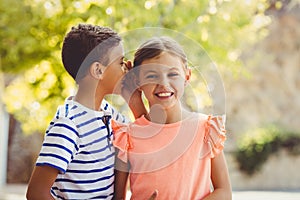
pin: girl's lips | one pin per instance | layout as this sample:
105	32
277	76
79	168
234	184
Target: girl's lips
164	94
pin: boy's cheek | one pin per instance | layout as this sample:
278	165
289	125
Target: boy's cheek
118	87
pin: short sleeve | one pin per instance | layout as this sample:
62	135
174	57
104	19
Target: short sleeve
122	139
60	144
214	136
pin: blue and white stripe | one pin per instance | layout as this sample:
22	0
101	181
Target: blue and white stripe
79	145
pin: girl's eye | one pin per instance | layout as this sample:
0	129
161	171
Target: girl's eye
151	76
174	74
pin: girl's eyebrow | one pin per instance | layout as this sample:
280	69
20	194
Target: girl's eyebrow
149	71
174	68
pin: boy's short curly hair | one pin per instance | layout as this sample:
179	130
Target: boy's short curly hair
86	44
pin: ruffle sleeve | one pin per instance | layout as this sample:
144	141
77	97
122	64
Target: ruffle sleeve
214	136
122	139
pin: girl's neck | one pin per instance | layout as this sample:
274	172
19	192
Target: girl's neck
166	116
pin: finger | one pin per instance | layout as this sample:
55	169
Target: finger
154	195
124	68
129	65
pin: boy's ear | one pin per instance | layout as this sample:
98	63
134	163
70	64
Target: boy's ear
96	70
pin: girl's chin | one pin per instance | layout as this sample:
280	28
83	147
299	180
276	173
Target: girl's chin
166	107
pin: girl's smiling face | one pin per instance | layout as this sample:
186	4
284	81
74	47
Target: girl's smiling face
162	79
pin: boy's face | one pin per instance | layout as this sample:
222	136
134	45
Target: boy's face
162	79
114	72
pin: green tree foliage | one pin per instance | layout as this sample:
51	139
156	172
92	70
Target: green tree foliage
32	32
257	145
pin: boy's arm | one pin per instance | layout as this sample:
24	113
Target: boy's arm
220	179
40	183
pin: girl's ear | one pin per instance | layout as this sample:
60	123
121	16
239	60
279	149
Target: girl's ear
188	75
96	70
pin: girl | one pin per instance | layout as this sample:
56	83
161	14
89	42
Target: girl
170	150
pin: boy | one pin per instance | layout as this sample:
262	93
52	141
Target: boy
77	157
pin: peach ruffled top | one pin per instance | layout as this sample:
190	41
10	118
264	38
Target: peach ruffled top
174	159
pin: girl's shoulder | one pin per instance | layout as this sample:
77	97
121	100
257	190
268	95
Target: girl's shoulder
188	115
203	116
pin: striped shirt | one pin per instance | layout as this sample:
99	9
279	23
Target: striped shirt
78	142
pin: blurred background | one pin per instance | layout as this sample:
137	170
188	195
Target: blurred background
254	43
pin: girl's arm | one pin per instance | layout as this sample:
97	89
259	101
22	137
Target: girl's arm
131	93
40	183
136	104
121	177
220	179
120	185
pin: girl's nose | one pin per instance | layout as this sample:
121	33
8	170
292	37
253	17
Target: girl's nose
164	81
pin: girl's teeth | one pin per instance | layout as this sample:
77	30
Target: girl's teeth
164	94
